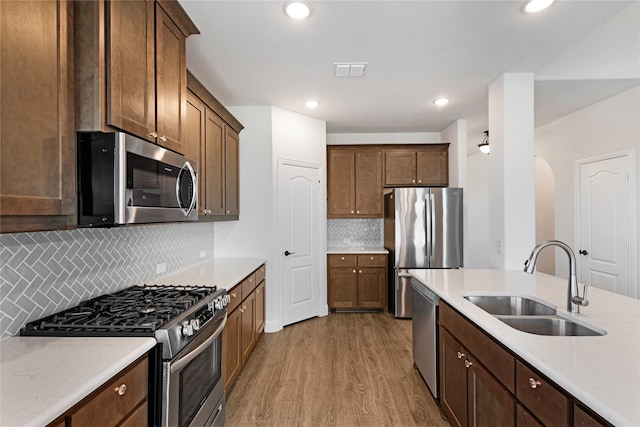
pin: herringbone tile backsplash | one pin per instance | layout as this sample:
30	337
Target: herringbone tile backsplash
354	233
43	273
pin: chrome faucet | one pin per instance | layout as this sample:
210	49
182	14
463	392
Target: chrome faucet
574	300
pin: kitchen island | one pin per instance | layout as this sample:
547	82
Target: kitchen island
602	372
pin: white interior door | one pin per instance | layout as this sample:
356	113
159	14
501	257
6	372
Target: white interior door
604	227
299	216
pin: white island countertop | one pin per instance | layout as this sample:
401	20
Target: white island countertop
603	372
43	377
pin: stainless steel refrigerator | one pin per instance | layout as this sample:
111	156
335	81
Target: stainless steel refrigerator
422	229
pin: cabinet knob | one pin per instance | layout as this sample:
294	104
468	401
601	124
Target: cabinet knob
467	363
460	355
354	271
121	389
357	211
413	181
228	211
419	181
153	134
233	294
342	258
360	271
351	211
371	258
163	138
533	383
244	307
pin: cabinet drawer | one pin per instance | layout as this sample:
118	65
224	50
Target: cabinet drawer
248	285
109	406
343	260
540	397
372	260
236	296
260	274
495	358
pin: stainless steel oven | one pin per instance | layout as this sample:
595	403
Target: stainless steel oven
186	385
193	388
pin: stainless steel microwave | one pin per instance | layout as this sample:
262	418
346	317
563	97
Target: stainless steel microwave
123	179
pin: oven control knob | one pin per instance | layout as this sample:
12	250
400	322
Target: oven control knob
195	324
187	329
219	303
227	298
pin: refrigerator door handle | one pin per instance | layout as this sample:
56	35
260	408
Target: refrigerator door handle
427	227
431	225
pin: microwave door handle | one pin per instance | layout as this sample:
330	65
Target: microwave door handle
187	211
181	363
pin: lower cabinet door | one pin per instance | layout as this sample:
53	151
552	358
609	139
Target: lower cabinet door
248	316
371	287
231	355
260	313
343	287
489	403
453	379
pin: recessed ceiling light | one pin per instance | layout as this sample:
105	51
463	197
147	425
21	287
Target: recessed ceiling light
441	101
312	104
537	5
297	9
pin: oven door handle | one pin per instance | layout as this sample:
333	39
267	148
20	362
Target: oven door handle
181	363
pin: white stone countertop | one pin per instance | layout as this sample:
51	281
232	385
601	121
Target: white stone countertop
42	377
603	372
221	272
358	250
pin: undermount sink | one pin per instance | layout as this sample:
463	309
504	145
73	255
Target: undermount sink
531	316
507	305
553	325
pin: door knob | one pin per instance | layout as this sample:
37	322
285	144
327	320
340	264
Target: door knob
287	253
583	252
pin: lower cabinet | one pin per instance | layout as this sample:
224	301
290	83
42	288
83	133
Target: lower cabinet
469	394
122	401
245	324
357	281
483	384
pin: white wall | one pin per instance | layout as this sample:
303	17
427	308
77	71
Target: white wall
384	138
609	126
545	214
269	134
477	243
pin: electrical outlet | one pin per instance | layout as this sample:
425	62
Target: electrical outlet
500	246
161	268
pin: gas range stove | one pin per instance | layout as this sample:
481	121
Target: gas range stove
174	315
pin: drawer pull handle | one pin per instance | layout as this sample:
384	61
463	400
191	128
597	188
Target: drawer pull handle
467	363
121	390
533	383
460	355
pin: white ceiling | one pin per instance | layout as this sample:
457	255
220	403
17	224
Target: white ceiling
250	53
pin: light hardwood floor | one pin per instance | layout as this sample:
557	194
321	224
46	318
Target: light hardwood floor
346	369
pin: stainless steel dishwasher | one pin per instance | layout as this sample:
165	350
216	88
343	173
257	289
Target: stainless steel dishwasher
425	334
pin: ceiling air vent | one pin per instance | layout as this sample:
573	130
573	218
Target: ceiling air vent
350	69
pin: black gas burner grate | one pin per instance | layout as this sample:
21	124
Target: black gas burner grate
138	310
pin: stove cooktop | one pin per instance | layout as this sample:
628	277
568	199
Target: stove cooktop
134	311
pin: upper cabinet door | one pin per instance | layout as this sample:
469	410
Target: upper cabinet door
171	82
433	168
400	168
37	135
231	172
341	182
131	104
369	184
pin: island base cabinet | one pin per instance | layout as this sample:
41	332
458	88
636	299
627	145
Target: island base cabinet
469	395
540	397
